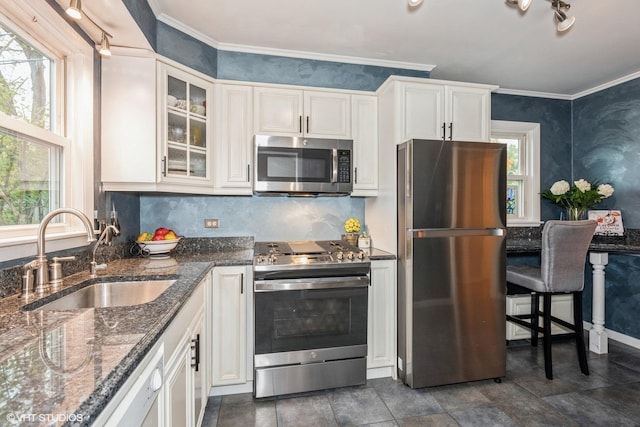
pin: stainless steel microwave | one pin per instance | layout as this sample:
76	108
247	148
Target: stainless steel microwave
302	166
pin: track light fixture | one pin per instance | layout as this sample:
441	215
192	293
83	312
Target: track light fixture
75	11
522	4
563	21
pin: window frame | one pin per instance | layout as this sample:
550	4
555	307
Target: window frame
72	117
531	172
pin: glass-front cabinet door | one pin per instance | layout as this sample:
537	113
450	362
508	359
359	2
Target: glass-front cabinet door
185	127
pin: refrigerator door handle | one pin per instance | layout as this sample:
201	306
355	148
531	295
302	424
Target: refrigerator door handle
425	233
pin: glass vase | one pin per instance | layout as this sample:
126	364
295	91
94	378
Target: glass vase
576	214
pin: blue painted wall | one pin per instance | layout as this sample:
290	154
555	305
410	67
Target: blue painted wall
606	146
554	116
266	218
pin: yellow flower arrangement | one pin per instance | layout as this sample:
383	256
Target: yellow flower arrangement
352	225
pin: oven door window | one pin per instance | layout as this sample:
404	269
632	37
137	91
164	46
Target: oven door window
295	164
310	319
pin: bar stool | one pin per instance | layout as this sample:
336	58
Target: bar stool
564	250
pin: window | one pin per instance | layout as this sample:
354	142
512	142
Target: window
29	166
523	170
46	128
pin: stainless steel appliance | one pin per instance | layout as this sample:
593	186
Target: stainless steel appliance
302	166
451	255
310	313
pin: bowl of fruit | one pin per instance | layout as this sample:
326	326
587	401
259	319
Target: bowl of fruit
158	243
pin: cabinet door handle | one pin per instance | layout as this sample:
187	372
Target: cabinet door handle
451	131
355	175
300	124
307	124
164	166
195	357
444	131
248	173
241	283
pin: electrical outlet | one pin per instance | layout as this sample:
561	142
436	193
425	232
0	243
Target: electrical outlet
211	223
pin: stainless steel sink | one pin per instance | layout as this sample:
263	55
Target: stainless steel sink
110	294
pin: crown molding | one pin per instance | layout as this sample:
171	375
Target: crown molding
534	94
290	53
607	85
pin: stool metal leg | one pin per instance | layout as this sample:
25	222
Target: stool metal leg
535	318
580	345
546	338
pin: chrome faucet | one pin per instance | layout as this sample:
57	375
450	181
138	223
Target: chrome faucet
42	274
106	233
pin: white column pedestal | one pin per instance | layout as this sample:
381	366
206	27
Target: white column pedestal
597	335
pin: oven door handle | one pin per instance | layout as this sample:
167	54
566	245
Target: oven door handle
314	283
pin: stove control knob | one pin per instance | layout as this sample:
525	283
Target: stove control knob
260	259
361	255
339	255
350	256
272	259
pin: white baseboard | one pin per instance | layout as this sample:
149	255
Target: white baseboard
232	389
384	372
617	336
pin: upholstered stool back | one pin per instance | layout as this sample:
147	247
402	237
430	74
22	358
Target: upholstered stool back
564	248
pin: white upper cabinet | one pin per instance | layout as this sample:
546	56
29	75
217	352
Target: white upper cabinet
451	111
327	115
294	112
422	108
128	121
468	113
156	127
184	128
233	147
364	113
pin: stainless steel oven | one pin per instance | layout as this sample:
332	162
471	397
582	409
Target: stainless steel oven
310	312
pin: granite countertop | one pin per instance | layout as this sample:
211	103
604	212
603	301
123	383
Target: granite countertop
60	367
529	240
379	254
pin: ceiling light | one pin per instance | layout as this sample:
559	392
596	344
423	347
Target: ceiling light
414	3
522	4
105	47
564	22
75	9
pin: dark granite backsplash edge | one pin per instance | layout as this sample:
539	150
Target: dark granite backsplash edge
11	271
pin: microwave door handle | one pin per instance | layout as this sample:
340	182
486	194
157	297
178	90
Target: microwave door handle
334	173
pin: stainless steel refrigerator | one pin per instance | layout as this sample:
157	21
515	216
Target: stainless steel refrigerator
451	261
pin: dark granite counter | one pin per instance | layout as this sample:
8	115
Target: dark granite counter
528	239
379	254
69	364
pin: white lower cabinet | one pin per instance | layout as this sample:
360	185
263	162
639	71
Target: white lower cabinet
381	334
182	353
561	307
230	335
185	391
